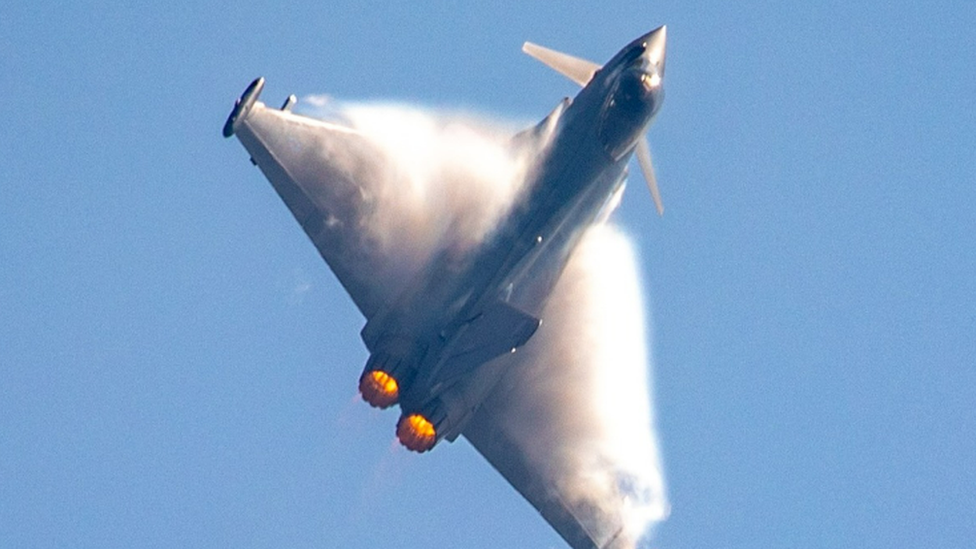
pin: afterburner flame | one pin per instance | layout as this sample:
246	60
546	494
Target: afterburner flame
416	433
379	389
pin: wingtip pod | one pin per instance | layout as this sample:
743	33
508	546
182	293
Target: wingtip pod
243	105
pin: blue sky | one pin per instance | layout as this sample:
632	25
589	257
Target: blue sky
178	367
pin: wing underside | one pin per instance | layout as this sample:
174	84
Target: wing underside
326	175
581	525
569	424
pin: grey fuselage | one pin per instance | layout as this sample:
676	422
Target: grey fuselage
581	167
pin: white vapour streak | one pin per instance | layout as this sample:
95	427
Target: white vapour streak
585	414
448	178
583	411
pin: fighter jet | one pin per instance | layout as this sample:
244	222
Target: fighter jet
441	343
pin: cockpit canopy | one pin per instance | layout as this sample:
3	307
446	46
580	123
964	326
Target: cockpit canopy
634	99
636	77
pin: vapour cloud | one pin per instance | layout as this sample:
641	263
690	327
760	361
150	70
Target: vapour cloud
447	178
585	414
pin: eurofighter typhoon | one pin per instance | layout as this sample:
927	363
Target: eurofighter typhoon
445	338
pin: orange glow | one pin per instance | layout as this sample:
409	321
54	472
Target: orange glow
416	433
379	389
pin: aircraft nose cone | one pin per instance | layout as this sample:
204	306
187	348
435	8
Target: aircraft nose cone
655	47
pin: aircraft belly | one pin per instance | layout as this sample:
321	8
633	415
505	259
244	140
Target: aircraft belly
519	267
529	284
458	371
